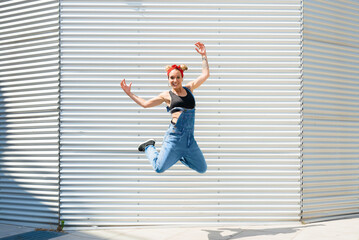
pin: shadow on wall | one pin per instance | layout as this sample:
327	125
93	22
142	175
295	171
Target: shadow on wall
28	177
29	113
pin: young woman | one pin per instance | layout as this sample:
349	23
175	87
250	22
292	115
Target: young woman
178	143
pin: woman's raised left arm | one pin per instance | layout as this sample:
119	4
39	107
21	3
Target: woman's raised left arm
201	49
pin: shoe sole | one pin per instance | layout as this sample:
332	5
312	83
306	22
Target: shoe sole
143	146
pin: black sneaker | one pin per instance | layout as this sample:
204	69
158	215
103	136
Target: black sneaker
143	146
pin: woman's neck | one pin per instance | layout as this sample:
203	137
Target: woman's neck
178	90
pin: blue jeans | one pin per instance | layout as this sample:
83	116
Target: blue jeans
178	145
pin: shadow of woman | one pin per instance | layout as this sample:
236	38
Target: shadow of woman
237	233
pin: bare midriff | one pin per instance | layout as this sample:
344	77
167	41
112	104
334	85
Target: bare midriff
175	116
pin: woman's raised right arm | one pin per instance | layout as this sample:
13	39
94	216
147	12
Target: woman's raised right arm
140	101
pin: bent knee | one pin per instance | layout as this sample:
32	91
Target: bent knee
160	170
202	170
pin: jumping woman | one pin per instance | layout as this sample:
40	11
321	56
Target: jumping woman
178	142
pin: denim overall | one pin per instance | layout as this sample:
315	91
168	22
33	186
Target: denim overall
178	144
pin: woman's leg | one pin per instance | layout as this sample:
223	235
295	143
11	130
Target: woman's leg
195	159
162	161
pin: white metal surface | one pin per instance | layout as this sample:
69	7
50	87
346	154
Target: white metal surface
248	112
29	115
331	109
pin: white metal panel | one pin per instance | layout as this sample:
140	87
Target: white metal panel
331	109
248	112
29	118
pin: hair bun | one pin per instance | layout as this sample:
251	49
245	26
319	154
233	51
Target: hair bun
183	67
168	67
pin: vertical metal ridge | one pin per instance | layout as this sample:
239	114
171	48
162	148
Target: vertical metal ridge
301	110
59	118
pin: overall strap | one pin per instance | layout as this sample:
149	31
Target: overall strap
189	91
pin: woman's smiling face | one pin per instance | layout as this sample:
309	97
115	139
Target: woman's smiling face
175	78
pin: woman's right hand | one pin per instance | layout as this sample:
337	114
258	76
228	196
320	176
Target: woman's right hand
126	89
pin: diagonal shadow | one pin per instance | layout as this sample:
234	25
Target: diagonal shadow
38	235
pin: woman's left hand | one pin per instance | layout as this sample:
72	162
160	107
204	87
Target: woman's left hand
126	88
200	48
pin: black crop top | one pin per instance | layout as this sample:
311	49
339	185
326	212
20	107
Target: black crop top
185	102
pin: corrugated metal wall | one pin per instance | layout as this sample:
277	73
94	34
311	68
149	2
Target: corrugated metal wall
248	112
29	118
331	109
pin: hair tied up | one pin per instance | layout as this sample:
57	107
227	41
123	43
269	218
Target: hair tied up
180	68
